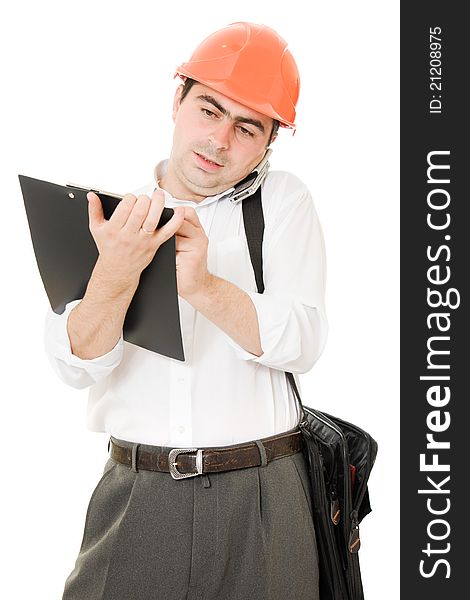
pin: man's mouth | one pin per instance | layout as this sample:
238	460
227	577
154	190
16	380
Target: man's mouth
208	161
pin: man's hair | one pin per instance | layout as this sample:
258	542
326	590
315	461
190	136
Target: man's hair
188	84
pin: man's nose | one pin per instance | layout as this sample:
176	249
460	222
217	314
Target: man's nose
220	136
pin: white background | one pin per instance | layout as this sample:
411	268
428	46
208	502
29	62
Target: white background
86	97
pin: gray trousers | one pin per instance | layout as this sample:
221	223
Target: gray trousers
238	535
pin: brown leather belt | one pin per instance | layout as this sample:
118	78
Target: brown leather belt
188	462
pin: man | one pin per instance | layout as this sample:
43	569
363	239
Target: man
222	525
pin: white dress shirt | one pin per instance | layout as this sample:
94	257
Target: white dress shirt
221	394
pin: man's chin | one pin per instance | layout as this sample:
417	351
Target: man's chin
207	185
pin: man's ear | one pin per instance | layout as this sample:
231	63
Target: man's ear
272	141
177	100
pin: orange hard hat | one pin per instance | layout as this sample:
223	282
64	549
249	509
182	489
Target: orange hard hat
250	64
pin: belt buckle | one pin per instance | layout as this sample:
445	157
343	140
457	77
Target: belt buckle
173	455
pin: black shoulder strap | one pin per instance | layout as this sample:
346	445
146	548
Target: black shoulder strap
253	220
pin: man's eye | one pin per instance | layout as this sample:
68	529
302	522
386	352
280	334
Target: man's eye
208	112
245	131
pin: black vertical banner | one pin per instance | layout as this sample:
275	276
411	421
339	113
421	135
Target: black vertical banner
435	271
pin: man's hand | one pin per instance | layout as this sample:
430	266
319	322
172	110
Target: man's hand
220	301
95	324
191	255
125	249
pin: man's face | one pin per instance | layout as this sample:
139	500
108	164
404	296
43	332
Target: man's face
216	143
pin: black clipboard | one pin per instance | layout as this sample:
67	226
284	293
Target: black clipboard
66	254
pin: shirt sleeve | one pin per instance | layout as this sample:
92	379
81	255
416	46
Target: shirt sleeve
291	311
71	369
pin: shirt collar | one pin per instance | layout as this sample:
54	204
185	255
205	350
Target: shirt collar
159	172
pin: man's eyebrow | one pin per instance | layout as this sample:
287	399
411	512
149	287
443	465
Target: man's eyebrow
226	113
249	121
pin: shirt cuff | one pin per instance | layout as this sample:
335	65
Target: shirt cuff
292	334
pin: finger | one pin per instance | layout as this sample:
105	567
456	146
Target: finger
165	232
138	214
191	226
191	215
122	211
189	230
155	211
184	244
95	210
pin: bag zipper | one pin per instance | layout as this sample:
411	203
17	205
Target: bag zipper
337	558
370	462
335	511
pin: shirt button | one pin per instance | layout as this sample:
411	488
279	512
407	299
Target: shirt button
181	429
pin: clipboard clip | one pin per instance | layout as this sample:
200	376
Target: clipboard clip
95	190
